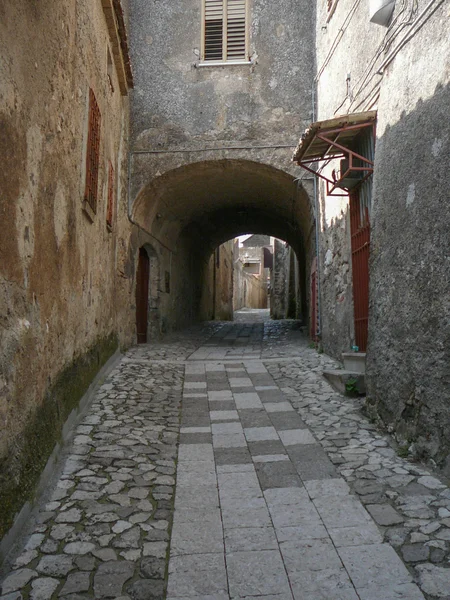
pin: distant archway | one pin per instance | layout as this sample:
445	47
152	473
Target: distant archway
191	210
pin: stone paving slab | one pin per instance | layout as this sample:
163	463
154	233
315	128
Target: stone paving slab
261	494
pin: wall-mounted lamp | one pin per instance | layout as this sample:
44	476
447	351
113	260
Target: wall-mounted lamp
381	11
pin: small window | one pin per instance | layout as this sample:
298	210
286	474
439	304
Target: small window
331	6
110	207
110	70
225	31
92	154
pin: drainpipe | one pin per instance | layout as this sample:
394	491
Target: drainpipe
214	286
317	219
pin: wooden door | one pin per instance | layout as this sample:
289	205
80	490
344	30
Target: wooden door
314	303
142	281
360	233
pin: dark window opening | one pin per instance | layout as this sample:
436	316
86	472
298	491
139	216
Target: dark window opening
92	154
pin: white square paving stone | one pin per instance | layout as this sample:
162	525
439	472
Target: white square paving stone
258	434
348	512
196	537
327	487
403	591
285	496
220	395
229	440
264	388
273	407
247	400
204	497
290	515
309	555
355	536
250	538
270	458
194	385
191	515
256	573
238	468
244	517
226	428
255	367
224	415
307	531
195	452
197	574
326	584
374	565
195	430
240	382
290	437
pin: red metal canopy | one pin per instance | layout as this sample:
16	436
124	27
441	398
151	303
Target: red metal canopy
336	139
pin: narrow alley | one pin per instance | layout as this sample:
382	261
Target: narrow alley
221	464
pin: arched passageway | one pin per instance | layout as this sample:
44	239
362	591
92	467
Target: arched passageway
189	211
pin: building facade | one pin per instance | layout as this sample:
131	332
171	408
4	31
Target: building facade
64	305
400	69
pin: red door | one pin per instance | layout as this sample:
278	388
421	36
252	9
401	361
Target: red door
360	234
142	280
314	302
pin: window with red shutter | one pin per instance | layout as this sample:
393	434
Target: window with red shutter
92	154
110	207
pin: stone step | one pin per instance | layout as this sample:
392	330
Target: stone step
354	361
349	383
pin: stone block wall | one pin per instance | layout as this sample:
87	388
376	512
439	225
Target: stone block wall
60	299
402	72
217	292
250	291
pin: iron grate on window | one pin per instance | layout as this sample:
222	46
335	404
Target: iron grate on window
93	153
225	33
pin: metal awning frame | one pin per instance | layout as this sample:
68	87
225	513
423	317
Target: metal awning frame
342	152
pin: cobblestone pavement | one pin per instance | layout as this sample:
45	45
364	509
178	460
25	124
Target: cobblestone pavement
284	490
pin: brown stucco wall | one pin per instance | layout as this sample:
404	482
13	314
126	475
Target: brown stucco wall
60	299
217	289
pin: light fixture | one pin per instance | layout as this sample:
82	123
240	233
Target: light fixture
381	11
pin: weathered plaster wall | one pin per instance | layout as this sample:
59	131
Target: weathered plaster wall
287	285
249	291
403	72
217	290
60	300
409	328
346	43
206	139
280	275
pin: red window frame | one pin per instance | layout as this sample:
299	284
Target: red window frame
93	153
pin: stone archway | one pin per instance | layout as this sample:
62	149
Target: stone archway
190	210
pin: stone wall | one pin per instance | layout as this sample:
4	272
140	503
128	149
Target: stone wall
60	300
287	287
407	357
280	274
217	292
249	291
212	145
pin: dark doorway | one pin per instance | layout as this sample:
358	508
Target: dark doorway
142	281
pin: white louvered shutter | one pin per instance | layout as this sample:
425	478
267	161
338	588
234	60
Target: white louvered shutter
214	21
236	30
